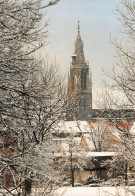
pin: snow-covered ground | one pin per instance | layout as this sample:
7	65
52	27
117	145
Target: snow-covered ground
83	191
95	191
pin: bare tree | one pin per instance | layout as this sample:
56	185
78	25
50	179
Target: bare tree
96	134
124	74
123	77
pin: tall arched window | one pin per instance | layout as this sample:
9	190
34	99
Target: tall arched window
83	80
73	83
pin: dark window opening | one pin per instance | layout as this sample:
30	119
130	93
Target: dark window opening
83	81
73	84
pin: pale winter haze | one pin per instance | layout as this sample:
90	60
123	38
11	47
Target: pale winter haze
98	23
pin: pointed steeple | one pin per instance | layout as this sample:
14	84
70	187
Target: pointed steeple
79	83
79	48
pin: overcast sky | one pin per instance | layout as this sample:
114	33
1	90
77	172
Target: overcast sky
97	22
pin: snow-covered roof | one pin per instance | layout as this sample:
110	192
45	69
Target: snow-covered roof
73	127
100	154
88	154
94	191
65	147
59	139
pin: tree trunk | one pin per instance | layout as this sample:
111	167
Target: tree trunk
125	173
72	177
72	169
26	189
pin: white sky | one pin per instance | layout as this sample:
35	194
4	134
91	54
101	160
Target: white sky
97	22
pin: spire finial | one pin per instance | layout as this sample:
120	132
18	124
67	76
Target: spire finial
78	27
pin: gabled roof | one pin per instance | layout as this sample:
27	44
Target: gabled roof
80	133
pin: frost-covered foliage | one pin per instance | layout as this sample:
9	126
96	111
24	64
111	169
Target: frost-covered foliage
71	160
124	162
67	161
32	98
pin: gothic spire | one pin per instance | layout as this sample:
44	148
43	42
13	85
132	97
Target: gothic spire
79	47
78	27
79	83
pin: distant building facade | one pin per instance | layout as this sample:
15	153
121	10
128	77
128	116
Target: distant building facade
79	82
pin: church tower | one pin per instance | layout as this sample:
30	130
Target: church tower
80	83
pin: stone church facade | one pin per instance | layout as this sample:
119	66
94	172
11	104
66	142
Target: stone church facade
80	82
80	91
